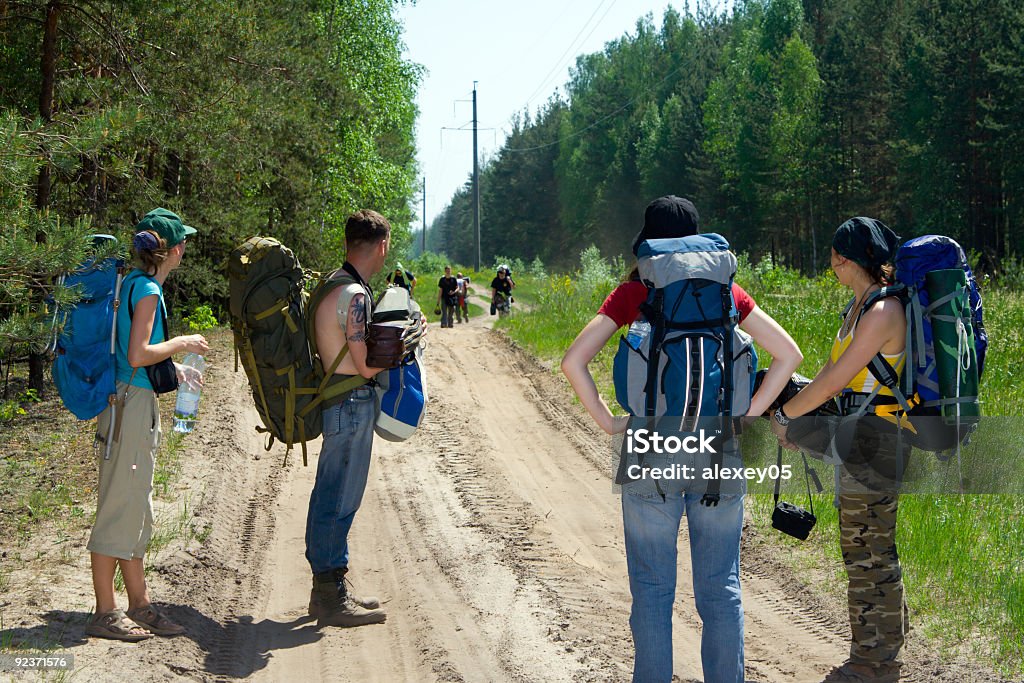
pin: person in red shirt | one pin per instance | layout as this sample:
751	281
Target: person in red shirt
651	525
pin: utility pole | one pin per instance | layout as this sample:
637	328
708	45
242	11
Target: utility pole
476	180
424	241
476	187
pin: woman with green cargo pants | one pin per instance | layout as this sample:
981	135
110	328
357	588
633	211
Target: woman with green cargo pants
872	467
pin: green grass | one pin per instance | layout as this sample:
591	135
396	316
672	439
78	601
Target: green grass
963	556
168	462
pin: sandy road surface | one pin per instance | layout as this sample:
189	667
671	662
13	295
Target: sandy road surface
495	541
493	537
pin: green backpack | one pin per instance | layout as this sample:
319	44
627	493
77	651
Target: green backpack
272	321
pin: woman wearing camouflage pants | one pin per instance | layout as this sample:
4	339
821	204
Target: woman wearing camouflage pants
872	467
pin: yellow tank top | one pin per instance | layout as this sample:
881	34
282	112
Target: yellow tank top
864	382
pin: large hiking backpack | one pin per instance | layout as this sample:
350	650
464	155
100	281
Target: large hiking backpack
268	308
945	346
402	390
83	364
686	356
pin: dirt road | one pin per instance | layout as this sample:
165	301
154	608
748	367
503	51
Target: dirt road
493	537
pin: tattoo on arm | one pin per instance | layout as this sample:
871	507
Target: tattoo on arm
357	319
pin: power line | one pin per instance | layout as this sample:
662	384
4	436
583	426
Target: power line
568	50
595	123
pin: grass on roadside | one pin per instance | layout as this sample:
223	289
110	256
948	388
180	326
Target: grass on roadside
168	461
47	470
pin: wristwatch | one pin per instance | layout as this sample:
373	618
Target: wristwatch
780	417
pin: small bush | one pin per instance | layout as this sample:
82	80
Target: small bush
200	319
537	269
9	410
1010	274
427	264
515	264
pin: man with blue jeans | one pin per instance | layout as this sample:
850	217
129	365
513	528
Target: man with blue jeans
341	323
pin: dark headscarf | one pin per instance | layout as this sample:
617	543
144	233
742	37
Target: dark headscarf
868	242
668	216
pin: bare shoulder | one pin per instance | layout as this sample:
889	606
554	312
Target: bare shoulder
886	319
889	309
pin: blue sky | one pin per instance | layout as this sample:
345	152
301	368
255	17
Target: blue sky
518	52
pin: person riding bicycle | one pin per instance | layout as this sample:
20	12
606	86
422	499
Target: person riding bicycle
501	283
402	278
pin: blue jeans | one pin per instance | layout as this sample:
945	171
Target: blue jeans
341	475
652	526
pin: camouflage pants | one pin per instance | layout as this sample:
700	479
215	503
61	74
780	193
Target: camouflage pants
878	617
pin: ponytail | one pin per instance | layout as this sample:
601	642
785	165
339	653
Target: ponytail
150	250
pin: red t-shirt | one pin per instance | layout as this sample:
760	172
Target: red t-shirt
623	304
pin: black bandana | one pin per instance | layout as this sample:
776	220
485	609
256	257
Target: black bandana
668	216
868	242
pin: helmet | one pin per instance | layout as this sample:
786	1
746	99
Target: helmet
502	269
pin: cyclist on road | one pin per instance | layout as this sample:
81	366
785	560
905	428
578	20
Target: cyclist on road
502	284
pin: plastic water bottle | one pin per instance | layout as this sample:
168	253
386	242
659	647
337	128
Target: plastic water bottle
186	406
638	331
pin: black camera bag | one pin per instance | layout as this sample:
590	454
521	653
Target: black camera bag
790	519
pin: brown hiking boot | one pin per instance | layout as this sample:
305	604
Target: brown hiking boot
366	602
335	607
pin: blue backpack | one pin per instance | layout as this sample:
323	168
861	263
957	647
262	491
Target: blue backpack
402	395
686	355
945	347
83	365
914	260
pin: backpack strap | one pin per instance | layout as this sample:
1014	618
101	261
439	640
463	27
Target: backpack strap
332	386
898	290
879	366
729	319
655	314
131	306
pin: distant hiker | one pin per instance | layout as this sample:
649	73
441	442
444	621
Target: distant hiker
508	274
651	521
462	312
862	250
402	278
124	513
447	296
341	325
501	284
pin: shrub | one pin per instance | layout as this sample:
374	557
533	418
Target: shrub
200	319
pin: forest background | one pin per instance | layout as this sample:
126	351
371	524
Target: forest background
780	119
245	117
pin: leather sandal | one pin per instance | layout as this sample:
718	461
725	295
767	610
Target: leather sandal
116	625
154	621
